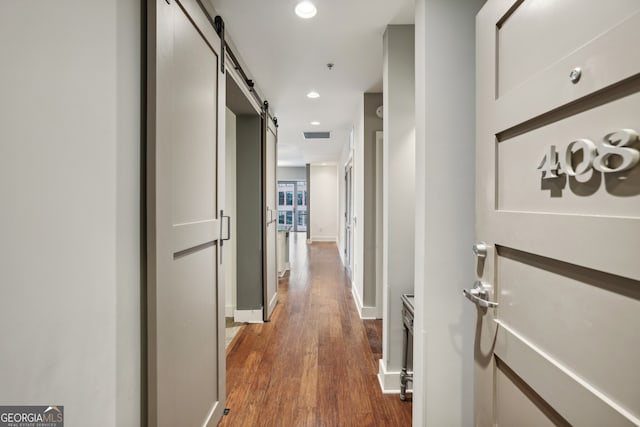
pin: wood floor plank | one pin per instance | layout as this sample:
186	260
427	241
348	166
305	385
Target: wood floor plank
315	363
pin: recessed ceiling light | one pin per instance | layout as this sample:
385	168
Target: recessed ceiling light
315	123
306	9
313	94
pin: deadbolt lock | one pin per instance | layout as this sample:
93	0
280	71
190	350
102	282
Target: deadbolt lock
480	249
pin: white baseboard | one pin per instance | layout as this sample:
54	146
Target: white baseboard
378	313
229	310
323	238
369	313
286	267
390	381
248	316
273	302
365	313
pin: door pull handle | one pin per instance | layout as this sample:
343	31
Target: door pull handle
271	217
479	295
222	217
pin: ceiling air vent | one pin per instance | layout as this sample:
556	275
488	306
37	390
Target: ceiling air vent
317	135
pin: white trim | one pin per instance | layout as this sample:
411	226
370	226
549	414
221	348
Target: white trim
240	82
377	310
369	313
349	162
322	239
229	310
248	316
287	267
272	303
379	224
390	381
365	313
356	299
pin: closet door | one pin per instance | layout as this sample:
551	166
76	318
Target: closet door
186	368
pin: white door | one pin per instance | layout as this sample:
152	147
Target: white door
558	207
270	260
186	365
348	218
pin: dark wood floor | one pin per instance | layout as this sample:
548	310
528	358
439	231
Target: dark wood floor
315	363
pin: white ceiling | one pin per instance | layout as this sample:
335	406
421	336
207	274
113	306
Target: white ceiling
286	56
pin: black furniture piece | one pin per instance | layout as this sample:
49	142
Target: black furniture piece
408	304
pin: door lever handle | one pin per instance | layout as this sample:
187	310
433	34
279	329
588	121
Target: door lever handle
479	295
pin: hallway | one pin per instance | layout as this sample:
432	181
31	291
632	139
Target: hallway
315	363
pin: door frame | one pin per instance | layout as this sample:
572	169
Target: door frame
379	274
348	218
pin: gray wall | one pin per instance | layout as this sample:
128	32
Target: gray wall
445	200
249	211
372	124
399	185
70	185
291	173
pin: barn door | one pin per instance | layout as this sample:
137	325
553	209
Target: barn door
270	191
185	302
558	214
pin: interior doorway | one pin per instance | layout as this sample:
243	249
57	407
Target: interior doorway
292	205
348	218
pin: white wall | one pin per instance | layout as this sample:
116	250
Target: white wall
398	193
229	250
445	205
324	203
70	179
292	173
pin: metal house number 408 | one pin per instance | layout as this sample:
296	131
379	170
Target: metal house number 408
596	155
